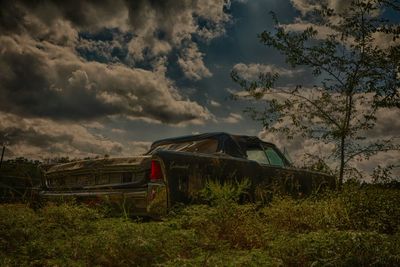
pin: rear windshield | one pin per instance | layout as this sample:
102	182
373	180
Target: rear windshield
207	146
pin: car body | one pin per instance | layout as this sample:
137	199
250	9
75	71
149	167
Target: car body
175	170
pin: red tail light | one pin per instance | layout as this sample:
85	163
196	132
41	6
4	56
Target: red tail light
155	171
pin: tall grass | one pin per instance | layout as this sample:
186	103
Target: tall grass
356	227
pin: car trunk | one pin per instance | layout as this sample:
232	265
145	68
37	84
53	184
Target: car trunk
100	173
122	182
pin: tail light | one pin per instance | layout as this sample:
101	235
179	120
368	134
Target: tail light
155	171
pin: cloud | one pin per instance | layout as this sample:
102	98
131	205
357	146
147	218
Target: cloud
46	80
232	118
383	159
43	138
298	147
387	123
387	127
306	6
71	65
300	25
40	139
379	38
385	40
118	131
163	25
253	70
215	103
50	68
105	51
137	148
191	63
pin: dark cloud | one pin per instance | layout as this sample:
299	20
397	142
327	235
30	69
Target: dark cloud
157	26
86	14
105	46
67	64
43	138
52	81
13	136
29	87
46	68
11	17
162	26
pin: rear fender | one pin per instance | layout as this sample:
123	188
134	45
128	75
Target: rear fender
158	200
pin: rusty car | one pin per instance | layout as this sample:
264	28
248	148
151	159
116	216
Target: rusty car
175	170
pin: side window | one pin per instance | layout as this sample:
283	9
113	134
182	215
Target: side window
258	155
274	157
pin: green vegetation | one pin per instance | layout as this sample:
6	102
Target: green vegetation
355	79
17	177
359	226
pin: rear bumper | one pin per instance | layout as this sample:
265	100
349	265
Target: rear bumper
147	201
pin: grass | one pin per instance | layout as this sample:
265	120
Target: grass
356	227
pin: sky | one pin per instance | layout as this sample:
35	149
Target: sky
89	78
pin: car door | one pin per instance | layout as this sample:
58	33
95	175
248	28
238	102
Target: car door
275	172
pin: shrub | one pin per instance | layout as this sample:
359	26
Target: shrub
355	208
373	208
306	214
225	222
255	257
337	248
230	191
356	227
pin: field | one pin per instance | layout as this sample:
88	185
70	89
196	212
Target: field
359	226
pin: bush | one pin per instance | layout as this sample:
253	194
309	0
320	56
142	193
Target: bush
306	215
373	208
356	227
237	226
355	208
337	248
255	257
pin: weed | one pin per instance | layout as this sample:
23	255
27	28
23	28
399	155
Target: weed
356	227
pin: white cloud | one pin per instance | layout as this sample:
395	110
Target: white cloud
215	103
387	127
384	40
137	148
164	26
191	63
45	138
340	7
253	70
232	118
118	131
300	25
383	159
306	6
94	125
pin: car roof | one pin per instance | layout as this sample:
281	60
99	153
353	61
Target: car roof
214	135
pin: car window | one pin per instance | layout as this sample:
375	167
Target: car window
265	155
274	157
257	154
207	146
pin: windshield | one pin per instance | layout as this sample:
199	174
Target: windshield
207	146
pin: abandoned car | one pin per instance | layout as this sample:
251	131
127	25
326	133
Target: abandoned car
175	170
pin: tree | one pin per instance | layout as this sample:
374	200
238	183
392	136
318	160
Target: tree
355	76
